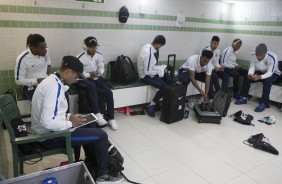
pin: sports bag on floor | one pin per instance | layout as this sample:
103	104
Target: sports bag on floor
242	118
259	141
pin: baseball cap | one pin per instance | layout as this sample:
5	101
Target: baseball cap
91	41
261	49
73	63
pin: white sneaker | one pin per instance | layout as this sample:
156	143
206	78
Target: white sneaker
190	104
113	124
108	179
101	121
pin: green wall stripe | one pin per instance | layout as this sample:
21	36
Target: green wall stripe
83	25
97	13
229	22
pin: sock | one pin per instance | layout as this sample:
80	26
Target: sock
152	103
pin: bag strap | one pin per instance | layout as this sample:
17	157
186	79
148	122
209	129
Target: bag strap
231	115
247	143
130	62
31	162
122	60
109	68
129	181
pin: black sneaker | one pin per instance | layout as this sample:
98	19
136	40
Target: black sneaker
108	179
150	109
236	96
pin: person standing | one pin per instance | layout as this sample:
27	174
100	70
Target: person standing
218	70
93	69
32	65
150	72
264	68
231	67
48	113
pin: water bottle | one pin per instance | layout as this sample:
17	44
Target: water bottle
50	181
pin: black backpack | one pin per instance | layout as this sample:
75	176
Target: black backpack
123	14
20	130
115	161
123	70
115	164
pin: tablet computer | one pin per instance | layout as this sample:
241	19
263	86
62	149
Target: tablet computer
90	118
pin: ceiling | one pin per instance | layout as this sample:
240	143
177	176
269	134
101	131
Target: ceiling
243	0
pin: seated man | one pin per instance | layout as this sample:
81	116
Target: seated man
263	67
150	72
198	68
32	65
93	68
218	71
48	113
231	67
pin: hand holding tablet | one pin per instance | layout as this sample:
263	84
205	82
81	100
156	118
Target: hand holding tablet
88	118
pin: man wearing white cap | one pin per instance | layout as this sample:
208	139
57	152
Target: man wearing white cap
264	68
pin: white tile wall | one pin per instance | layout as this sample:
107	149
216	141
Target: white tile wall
115	42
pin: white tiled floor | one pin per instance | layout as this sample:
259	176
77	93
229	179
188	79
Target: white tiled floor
187	152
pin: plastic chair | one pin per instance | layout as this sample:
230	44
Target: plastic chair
8	112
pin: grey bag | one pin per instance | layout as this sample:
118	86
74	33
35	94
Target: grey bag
221	103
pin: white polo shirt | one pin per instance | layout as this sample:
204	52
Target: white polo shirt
215	58
193	64
228	58
92	64
30	67
268	65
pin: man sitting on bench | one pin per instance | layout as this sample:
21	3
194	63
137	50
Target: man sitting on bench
32	65
263	67
93	68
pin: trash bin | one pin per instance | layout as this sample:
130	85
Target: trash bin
75	173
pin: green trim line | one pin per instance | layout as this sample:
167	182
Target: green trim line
97	13
91	1
229	22
82	25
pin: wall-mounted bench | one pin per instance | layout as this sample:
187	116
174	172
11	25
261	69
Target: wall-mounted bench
129	94
275	92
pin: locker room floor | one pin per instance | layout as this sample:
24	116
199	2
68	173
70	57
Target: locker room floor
187	152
